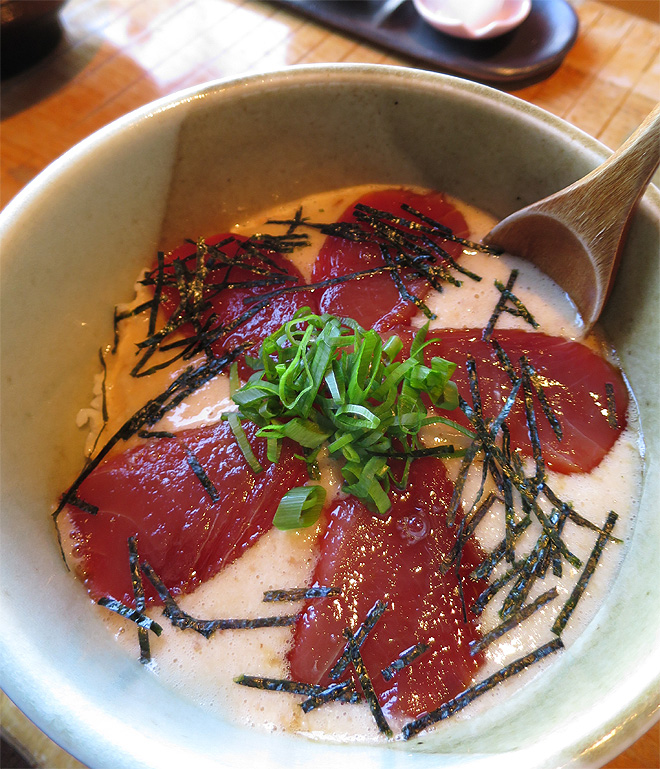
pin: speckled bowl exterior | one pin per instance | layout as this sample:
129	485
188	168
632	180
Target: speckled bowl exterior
73	242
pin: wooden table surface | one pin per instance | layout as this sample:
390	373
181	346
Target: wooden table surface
116	55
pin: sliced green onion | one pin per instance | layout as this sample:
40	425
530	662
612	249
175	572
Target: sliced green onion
241	439
325	381
299	508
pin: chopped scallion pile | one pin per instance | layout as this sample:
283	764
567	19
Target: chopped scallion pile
325	382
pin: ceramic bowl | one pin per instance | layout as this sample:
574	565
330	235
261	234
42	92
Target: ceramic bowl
73	242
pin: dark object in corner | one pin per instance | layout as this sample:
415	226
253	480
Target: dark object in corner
29	31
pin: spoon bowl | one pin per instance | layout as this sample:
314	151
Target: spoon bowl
575	235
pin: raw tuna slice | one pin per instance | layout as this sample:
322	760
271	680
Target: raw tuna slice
573	378
187	536
394	560
226	306
375	301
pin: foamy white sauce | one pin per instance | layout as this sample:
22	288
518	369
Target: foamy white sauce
204	669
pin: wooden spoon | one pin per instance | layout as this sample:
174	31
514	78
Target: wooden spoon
575	236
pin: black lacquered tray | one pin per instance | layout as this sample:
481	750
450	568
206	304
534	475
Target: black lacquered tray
526	55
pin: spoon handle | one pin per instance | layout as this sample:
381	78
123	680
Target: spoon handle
608	194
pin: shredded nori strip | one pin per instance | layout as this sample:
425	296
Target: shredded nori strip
466	529
344	691
518	309
485	568
402	288
530	414
448	234
373	615
190	277
493	589
612	420
158	290
532	569
574	516
513	621
499	307
75	501
201	475
301	593
104	400
185	621
444	450
184	385
248	300
365	682
140	619
316	694
406	245
138	593
469	695
404	659
496	456
589	568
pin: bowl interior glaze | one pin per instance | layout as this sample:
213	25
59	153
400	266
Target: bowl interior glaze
74	241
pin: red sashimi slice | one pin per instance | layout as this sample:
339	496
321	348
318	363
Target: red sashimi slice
573	378
375	301
226	306
152	491
394	560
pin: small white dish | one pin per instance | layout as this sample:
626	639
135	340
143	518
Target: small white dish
473	19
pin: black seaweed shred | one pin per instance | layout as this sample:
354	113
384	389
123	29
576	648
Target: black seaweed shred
184	385
104	402
513	621
201	475
158	290
359	637
499	306
320	284
278	685
138	593
448	234
469	695
140	619
344	691
301	593
467	528
532	568
530	414
518	309
550	413
409	247
75	501
316	694
485	568
407	657
365	682
612	419
568	608
401	286
506	469
185	621
155	434
484	598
